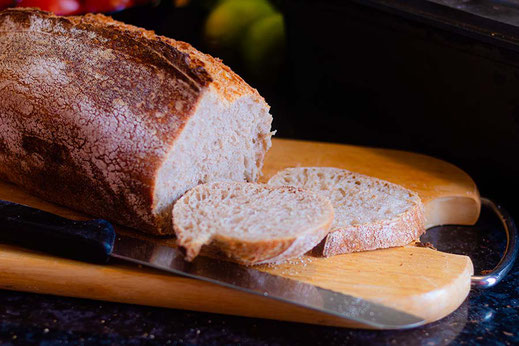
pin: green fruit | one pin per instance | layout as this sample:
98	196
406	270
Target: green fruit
263	45
228	21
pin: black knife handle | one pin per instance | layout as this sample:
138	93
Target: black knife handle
90	241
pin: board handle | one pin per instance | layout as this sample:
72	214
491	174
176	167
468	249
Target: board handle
511	250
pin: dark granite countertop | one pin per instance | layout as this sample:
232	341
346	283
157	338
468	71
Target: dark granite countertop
489	316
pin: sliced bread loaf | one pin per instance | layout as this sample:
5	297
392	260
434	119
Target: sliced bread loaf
118	122
370	213
251	223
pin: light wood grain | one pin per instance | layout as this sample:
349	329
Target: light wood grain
421	281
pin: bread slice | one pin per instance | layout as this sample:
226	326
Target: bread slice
118	122
370	213
251	223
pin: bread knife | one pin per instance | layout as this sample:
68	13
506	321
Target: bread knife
96	241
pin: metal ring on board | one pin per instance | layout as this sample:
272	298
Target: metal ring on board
511	250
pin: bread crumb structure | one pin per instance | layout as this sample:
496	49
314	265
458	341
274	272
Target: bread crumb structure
370	213
251	223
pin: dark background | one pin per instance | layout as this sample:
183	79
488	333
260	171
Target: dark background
419	78
411	75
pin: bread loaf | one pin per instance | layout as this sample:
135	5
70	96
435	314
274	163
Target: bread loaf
370	213
118	122
251	223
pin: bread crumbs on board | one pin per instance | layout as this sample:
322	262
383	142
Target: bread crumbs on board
291	266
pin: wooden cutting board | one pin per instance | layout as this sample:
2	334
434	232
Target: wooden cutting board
422	281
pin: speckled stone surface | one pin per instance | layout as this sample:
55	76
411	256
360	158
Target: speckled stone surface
486	317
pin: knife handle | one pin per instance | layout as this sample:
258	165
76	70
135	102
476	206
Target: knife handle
90	241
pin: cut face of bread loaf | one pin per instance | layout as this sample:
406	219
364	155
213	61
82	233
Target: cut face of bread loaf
118	122
251	223
370	213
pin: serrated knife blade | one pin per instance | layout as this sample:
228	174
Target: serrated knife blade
250	280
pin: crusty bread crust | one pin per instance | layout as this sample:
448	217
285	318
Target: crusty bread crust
273	251
91	107
398	231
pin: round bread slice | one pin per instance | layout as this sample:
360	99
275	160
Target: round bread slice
370	213
251	223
